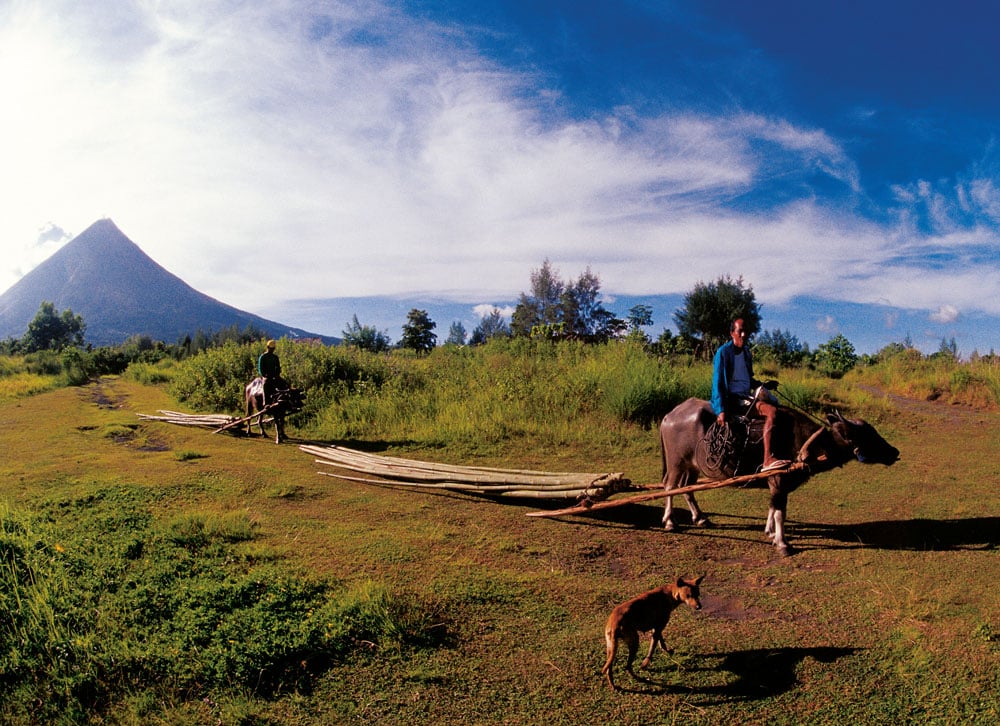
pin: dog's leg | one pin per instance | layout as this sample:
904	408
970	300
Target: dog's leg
612	646
632	640
657	638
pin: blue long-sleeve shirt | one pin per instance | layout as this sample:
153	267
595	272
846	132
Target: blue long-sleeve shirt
722	373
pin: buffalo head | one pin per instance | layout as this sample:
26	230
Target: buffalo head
861	437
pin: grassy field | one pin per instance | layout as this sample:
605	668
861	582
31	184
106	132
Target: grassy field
160	574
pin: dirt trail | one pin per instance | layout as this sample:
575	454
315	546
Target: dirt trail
941	412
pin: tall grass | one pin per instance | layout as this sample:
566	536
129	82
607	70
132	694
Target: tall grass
151	373
477	399
214	378
937	377
510	390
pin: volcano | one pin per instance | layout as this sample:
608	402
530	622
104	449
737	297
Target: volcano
119	291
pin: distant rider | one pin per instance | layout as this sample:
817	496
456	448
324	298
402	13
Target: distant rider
734	389
269	368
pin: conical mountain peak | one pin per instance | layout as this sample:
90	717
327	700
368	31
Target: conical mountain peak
120	291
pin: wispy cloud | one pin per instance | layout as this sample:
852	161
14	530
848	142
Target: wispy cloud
269	151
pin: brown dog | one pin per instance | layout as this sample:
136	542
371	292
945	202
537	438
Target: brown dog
648	611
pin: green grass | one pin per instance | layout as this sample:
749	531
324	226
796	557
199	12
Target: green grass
146	584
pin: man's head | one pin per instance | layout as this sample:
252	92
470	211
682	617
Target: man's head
271	345
737	331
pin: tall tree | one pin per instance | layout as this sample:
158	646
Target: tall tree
564	310
366	337
492	325
418	332
456	334
836	356
542	305
51	331
639	316
781	347
584	313
710	309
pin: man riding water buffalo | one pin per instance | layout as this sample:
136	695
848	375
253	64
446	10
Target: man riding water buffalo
270	392
269	368
723	437
735	391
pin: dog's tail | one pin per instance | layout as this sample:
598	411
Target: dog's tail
610	642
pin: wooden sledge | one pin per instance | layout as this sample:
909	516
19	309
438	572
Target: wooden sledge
238	422
702	484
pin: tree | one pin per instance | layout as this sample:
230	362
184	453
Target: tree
584	313
670	344
542	306
559	310
947	350
836	356
51	331
492	325
417	333
781	347
365	337
456	334
710	309
639	316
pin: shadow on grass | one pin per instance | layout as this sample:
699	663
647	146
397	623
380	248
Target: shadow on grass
921	534
749	675
973	533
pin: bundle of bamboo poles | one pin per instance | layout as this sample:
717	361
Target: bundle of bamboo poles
514	483
212	420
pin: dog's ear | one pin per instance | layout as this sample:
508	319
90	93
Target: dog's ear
698	580
680	583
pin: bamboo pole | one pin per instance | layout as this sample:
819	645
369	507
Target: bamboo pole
188	419
411	470
333	451
236	422
700	485
509	492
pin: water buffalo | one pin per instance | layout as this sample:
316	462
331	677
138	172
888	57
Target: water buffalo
286	400
684	456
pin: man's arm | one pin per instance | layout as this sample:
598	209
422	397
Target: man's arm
720	384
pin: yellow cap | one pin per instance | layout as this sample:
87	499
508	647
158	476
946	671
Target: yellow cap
271	345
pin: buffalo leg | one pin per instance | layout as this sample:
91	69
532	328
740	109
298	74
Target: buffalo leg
672	480
775	527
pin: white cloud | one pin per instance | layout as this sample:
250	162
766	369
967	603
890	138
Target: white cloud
481	311
945	314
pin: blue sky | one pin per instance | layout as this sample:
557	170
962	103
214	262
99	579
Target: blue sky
308	161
